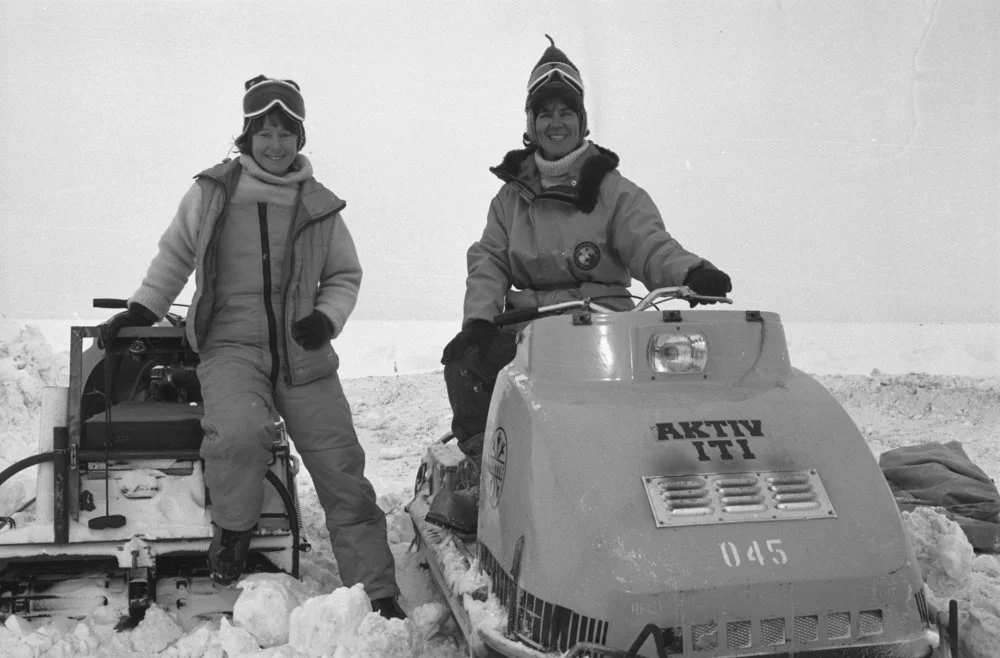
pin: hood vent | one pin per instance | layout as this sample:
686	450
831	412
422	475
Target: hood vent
711	498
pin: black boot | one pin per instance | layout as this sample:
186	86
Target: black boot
457	511
388	607
227	556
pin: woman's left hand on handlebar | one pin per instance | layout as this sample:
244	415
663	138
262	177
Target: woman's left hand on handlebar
709	282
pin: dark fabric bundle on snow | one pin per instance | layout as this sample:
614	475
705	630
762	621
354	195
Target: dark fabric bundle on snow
942	475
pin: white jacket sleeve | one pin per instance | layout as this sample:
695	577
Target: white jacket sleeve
171	267
341	277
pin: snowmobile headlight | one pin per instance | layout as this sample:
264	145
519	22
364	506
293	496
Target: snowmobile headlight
678	353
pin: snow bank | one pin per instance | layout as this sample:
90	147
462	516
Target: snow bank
27	365
953	571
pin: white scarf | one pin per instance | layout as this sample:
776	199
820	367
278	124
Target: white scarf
258	185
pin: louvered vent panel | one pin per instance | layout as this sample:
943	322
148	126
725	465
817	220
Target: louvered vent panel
713	498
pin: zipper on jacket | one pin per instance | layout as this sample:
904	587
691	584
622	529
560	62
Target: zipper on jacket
531	196
272	324
290	268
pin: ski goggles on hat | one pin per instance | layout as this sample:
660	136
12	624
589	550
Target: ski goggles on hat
267	94
553	72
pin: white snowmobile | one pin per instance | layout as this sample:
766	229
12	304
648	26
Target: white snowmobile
663	483
120	517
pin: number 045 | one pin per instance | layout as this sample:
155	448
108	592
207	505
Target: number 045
772	548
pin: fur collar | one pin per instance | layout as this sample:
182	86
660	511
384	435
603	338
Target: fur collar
519	164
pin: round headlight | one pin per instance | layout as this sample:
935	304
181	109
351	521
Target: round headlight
677	352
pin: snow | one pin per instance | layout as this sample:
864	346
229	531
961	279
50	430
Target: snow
400	409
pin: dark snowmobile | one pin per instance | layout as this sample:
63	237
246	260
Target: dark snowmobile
121	511
664	483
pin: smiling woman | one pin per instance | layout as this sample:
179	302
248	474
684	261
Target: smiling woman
557	129
278	276
273	130
565	225
274	144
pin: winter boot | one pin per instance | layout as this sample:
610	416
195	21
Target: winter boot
457	511
388	607
227	555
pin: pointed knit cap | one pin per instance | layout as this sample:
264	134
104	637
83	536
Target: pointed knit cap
554	76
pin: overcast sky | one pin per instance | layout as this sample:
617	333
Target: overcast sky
841	160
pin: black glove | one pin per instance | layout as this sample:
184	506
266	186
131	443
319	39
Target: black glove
312	331
137	315
707	281
477	332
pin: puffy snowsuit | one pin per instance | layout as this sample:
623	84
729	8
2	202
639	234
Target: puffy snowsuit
267	251
587	238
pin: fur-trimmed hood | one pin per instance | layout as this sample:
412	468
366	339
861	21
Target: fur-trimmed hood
588	171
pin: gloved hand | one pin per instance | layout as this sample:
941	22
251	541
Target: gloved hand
137	315
477	332
707	281
312	331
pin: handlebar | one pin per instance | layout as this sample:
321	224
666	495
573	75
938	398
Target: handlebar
525	314
654	296
676	292
114	302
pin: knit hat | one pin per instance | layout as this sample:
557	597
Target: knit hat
264	94
554	76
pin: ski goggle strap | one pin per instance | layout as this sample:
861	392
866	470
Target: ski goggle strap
552	71
265	95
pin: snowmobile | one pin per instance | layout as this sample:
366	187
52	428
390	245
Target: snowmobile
664	483
121	513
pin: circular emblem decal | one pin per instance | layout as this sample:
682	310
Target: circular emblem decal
586	255
496	465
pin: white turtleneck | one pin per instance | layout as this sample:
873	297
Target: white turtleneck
556	172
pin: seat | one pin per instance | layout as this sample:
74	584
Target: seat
149	425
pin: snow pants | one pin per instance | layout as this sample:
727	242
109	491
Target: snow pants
241	408
470	380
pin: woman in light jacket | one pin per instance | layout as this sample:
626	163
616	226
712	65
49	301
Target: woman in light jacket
564	225
277	276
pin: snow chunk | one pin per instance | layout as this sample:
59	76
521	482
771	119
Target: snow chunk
446	454
19	626
156	631
943	551
379	637
196	644
266	604
323	624
428	619
10	645
235	640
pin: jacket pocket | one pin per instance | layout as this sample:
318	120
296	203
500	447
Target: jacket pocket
308	366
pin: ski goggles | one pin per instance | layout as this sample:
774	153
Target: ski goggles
263	96
555	72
